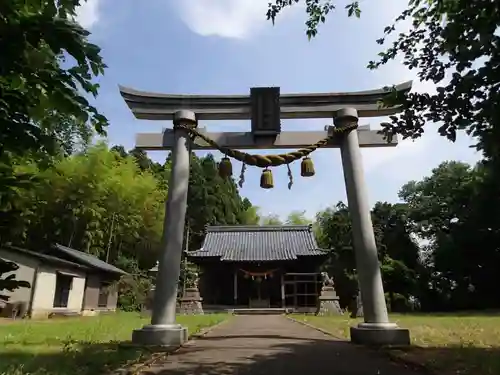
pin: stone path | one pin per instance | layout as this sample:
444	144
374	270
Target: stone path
273	345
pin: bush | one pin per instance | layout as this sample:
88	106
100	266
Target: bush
133	291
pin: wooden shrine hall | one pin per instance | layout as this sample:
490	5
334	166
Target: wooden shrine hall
259	267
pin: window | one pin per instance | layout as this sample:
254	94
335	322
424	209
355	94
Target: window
103	295
63	288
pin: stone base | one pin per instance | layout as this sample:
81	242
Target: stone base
385	334
190	303
329	307
328	302
190	308
170	335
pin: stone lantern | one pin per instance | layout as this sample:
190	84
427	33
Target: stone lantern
150	296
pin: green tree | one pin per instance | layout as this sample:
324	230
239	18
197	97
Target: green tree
271	220
334	233
453	44
250	215
46	76
297	218
398	252
101	204
212	200
456	212
46	70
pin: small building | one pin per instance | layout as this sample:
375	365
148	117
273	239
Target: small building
63	281
259	267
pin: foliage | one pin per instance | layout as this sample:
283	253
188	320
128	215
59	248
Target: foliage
133	291
250	215
398	253
297	218
212	200
101	204
453	44
9	282
270	220
46	70
334	234
457	214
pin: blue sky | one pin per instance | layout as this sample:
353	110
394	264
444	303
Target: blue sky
226	47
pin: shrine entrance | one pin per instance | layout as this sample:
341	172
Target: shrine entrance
265	107
258	291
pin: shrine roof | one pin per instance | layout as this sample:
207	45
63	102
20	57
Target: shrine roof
255	243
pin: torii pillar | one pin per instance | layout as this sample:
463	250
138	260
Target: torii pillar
163	330
376	329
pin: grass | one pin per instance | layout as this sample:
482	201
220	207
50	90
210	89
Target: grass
466	344
79	346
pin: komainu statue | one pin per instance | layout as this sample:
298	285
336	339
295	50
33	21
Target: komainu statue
327	280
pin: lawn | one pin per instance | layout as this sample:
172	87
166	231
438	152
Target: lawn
467	344
79	346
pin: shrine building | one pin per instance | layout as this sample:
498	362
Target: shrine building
259	267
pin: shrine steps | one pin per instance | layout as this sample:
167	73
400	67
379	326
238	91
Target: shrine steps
261	311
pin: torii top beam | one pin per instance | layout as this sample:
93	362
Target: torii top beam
154	106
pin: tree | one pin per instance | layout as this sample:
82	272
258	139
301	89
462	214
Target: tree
47	67
455	211
455	39
98	203
270	220
212	200
297	218
334	234
46	71
250	214
398	252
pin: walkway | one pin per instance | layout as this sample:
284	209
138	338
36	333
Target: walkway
273	345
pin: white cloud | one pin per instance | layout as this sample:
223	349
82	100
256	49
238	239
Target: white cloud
88	13
225	18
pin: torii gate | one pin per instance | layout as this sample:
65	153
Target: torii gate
265	107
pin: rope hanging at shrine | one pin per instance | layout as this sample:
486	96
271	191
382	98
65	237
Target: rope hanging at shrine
267	161
258	275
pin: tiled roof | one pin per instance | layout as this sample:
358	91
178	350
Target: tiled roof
88	260
258	243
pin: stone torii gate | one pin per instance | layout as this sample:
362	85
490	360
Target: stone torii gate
265	107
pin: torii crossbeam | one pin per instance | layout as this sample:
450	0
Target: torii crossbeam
265	107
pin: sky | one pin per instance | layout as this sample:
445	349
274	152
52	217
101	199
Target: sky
227	47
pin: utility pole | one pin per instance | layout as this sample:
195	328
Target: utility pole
110	237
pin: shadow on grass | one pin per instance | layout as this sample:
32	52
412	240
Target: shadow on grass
257	354
75	358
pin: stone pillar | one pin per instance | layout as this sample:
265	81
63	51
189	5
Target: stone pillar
163	329
283	303
235	287
376	328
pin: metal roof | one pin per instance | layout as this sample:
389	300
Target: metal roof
45	257
256	243
88	260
